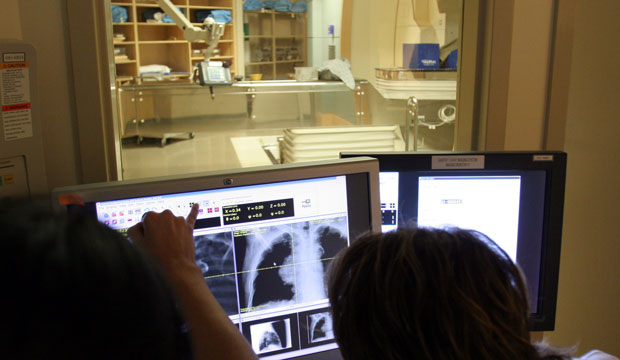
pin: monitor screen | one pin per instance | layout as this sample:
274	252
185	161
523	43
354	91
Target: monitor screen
263	238
515	198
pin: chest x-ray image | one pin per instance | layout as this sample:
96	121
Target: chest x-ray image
271	336
320	327
285	264
214	256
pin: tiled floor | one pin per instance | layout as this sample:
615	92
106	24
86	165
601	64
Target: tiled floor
205	152
210	149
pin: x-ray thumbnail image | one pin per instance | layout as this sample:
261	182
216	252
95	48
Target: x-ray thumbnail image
316	328
271	336
214	256
320	327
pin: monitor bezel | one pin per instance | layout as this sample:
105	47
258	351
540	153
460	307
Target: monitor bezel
89	193
222	179
554	165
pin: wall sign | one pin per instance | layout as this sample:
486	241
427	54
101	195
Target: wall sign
15	96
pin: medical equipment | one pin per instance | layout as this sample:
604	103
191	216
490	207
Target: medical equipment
211	33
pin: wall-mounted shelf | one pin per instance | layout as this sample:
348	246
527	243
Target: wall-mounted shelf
147	43
275	42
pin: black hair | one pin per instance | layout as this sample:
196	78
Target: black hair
76	289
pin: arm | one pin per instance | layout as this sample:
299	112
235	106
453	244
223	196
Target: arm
169	240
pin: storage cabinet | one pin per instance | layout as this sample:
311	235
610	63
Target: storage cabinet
139	43
274	43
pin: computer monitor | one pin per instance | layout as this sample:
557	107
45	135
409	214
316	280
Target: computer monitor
264	238
515	198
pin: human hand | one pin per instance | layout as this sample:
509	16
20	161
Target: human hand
167	238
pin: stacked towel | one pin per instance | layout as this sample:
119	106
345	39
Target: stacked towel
299	6
252	5
269	4
119	14
282	5
154	70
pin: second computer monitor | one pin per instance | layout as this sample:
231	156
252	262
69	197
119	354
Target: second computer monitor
515	198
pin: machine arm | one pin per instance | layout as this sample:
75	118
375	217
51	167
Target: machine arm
210	34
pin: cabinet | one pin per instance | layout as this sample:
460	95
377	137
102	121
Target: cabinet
274	43
138	42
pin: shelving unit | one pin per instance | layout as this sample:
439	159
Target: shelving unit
147	43
275	43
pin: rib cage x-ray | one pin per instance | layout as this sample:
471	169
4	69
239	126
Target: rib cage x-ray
271	336
320	326
285	264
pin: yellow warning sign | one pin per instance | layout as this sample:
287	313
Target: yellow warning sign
9	179
14	65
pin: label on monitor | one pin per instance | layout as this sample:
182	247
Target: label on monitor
458	162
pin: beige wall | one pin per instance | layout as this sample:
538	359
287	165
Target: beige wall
10	26
589	289
529	66
372	37
44	25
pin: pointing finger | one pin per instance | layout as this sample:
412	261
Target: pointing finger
193	214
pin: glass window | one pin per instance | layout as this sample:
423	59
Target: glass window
281	107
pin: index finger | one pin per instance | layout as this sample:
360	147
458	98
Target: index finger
193	214
136	232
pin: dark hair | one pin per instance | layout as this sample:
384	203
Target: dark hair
429	294
75	289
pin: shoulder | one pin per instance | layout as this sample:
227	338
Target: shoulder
596	355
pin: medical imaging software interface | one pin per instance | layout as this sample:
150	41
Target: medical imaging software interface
506	206
263	251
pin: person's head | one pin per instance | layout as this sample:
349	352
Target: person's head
75	289
429	294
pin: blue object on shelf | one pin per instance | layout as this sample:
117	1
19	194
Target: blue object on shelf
252	5
221	16
119	14
452	60
269	4
282	5
421	56
299	6
150	15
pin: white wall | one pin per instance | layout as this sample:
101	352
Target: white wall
321	14
589	289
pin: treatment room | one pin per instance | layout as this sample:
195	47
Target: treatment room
337	114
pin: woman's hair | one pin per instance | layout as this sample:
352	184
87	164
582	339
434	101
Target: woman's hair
75	289
429	294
